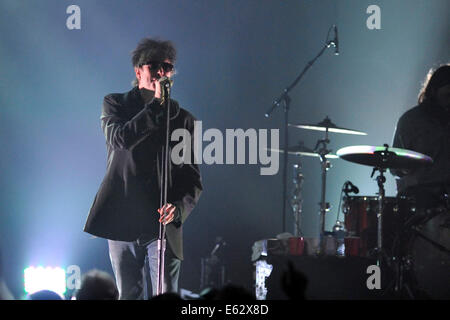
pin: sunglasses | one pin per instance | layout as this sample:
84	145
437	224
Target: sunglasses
155	65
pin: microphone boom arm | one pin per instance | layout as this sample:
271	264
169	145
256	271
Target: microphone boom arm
284	95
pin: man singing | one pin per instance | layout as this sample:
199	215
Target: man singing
125	209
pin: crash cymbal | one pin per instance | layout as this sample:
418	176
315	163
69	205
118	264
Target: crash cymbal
303	151
384	157
327	125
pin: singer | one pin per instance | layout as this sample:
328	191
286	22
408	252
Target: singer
126	209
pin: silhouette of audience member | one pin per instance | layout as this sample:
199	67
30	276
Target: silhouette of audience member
44	295
294	283
97	285
285	281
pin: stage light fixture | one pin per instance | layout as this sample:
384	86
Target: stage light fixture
48	278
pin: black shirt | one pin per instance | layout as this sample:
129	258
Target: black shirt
425	129
147	95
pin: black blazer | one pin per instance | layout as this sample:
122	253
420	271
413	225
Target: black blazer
125	207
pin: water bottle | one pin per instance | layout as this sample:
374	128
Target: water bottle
339	234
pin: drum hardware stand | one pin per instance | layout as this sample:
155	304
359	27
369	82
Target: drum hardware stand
297	199
381	179
325	165
380	252
394	263
284	97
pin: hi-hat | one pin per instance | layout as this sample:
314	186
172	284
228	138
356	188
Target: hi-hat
327	125
303	151
384	157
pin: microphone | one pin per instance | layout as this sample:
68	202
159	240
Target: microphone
350	187
336	41
165	82
166	85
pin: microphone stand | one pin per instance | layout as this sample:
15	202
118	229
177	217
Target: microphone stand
163	196
286	100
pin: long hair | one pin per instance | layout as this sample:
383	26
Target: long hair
152	49
435	79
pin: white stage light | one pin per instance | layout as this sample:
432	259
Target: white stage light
48	278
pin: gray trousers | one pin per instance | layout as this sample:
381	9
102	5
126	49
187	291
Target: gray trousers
134	263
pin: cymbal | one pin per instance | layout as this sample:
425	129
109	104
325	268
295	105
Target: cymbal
383	157
327	125
303	151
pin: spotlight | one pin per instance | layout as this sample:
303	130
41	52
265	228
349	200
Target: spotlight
48	278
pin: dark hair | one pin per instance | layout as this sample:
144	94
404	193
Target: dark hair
433	81
44	295
152	49
97	285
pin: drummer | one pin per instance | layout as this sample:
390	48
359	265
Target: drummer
426	129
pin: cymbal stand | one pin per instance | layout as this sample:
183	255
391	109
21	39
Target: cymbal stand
321	149
297	199
381	179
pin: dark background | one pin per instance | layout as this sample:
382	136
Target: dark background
235	57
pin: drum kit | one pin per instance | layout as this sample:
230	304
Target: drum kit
379	227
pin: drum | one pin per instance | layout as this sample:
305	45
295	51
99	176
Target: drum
428	255
361	222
